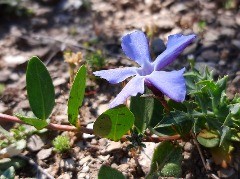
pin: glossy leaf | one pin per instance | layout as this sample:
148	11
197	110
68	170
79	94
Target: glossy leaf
142	108
166	161
157	113
107	172
76	95
40	88
177	120
114	123
36	122
208	138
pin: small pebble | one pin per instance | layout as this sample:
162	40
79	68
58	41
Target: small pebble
188	147
85	169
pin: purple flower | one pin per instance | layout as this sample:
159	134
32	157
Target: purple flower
135	46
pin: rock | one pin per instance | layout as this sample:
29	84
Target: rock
103	158
59	81
189	176
187	20
103	142
210	55
94	142
85	169
85	160
164	20
65	176
186	155
3	108
226	21
188	147
227	32
236	43
44	153
35	143
14	76
68	164
123	167
87	136
72	4
113	146
102	108
226	173
146	156
211	35
157	46
38	22
81	175
14	60
4	74
237	19
178	7
82	145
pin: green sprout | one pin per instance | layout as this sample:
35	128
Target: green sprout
202	25
95	60
61	144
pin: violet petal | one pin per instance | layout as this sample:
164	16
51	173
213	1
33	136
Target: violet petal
135	46
133	87
172	84
176	44
116	75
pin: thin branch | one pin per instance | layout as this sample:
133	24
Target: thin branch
59	127
202	158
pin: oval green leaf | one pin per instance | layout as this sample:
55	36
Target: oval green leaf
40	88
107	172
166	161
208	138
76	95
114	123
36	122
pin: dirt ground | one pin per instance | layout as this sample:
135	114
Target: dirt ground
50	28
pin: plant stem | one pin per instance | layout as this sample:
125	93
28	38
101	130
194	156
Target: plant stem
158	94
59	127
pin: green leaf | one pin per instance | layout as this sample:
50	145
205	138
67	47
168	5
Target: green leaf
107	172
177	120
208	138
76	95
36	122
225	134
8	174
114	123
157	113
142	108
166	161
40	88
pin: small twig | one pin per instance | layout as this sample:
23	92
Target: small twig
202	158
76	45
155	139
39	168
199	151
59	127
51	126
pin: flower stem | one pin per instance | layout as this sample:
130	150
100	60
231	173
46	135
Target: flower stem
159	95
